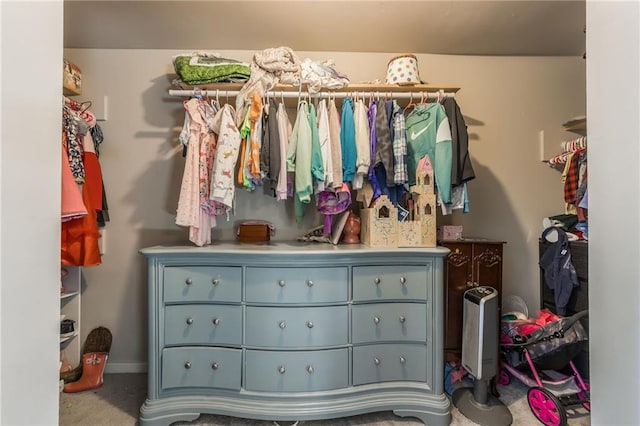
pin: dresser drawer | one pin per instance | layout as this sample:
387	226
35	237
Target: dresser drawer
386	363
391	282
202	284
296	285
203	324
297	327
385	322
201	367
301	371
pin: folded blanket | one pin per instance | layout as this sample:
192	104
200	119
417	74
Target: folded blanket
205	68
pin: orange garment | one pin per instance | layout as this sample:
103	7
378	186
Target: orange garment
241	160
93	172
255	115
79	237
93	179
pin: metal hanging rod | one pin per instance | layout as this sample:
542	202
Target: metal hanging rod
326	94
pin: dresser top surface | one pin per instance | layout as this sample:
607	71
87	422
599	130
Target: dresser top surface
296	248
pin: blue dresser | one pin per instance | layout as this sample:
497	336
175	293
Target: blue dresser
295	331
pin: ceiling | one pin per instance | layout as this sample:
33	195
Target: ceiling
514	28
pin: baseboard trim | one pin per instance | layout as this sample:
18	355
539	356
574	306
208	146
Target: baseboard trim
125	367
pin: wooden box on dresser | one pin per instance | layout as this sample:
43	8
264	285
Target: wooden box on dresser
472	262
294	331
579	300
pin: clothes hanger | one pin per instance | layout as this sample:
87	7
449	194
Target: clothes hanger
84	106
410	104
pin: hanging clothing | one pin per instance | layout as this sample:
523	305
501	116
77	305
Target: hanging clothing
270	153
93	172
189	211
245	129
73	147
299	160
400	175
461	168
559	272
284	133
317	168
428	133
79	238
255	138
371	174
82	189
334	140
348	141
72	206
325	143
384	146
222	188
363	140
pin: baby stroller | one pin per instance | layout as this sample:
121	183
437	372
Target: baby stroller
539	353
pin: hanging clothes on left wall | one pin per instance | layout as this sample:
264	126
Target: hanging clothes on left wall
82	185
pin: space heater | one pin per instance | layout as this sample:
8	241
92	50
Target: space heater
480	358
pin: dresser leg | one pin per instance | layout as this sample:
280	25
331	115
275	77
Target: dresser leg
430	418
153	414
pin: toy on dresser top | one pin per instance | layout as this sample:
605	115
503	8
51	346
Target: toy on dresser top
383	226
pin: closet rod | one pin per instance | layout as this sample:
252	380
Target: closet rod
326	94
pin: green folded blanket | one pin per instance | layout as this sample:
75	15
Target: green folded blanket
196	69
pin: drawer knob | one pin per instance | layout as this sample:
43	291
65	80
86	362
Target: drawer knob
376	361
188	281
402	360
310	369
403	280
215	281
377	280
402	319
376	320
189	320
281	283
310	324
187	365
310	283
282	325
281	369
215	366
216	321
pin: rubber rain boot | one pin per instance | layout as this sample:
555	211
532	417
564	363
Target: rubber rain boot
93	364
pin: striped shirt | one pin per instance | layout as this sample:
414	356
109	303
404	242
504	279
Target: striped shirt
400	175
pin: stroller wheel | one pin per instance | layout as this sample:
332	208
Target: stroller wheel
504	378
546	407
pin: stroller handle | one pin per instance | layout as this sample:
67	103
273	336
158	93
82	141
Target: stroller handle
567	322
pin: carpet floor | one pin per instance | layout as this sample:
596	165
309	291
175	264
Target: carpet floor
118	401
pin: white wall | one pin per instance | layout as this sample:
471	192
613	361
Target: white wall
31	36
613	95
506	100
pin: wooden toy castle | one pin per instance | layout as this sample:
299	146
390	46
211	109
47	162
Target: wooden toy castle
380	226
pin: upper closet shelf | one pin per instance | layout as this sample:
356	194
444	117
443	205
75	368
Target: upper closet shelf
576	125
416	91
